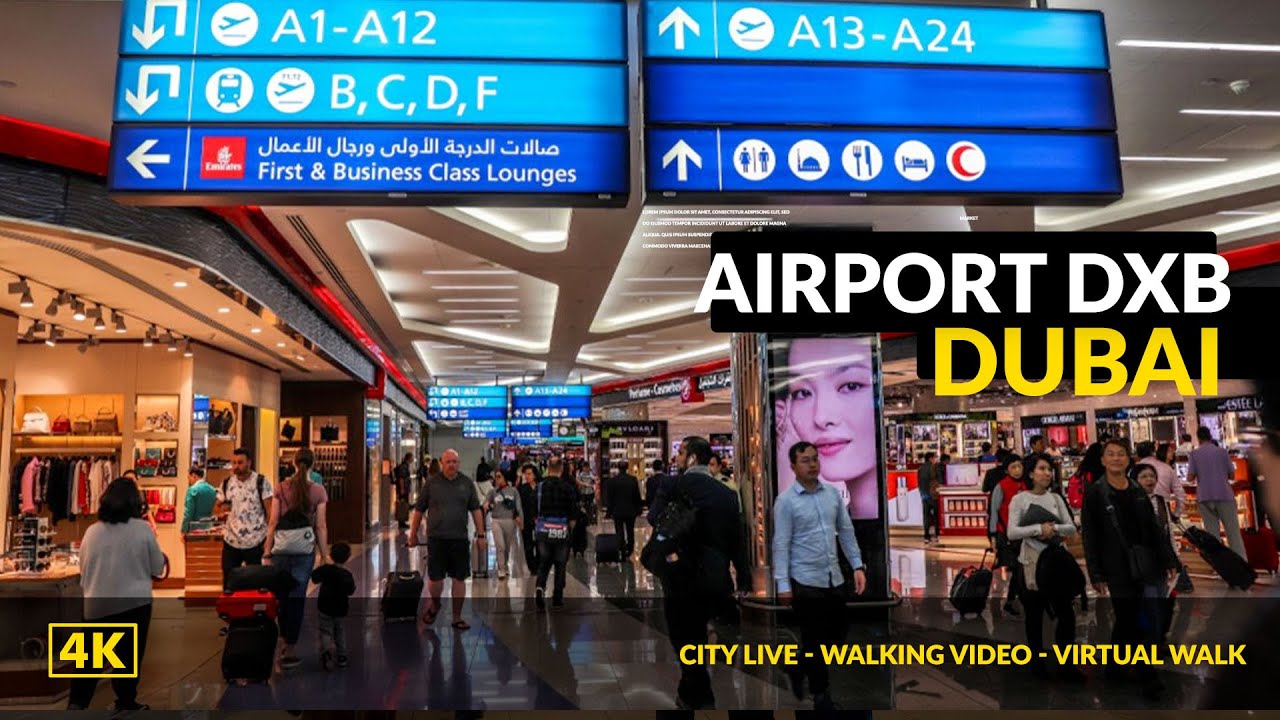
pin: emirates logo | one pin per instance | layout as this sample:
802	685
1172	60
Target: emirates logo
223	158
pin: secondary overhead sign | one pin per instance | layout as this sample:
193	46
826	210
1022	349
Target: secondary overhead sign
467	402
979	103
557	402
319	82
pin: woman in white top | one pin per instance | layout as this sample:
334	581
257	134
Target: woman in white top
1035	539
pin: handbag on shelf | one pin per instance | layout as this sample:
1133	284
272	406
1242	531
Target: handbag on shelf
106	422
329	433
81	425
61	425
288	431
35	422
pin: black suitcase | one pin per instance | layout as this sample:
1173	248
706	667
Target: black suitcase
268	578
608	548
401	596
249	653
971	588
1230	567
578	540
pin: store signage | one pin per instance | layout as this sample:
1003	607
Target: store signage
531	428
484	429
551	401
279	99
804	32
467	402
509	29
634	430
957	102
1244	403
669	388
948	417
1134	413
716	380
1033	421
690	392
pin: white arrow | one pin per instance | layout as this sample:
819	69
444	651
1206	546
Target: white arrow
139	159
149	34
685	155
143	100
681	21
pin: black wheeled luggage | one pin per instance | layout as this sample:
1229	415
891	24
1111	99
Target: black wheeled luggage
1230	567
249	653
971	588
401	596
608	548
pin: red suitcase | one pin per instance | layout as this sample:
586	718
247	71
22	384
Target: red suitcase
246	604
1260	548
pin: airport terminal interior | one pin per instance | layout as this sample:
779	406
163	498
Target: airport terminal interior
202	279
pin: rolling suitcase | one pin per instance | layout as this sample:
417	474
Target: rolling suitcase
247	604
608	548
971	588
1260	546
268	578
1230	567
578	544
250	650
401	596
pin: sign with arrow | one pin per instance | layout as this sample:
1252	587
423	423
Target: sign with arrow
678	22
315	101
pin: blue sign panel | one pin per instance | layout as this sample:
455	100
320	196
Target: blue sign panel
373	160
551	401
484	429
467	402
867	33
875	161
509	29
218	90
526	428
725	94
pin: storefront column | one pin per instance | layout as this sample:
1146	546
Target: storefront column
753	440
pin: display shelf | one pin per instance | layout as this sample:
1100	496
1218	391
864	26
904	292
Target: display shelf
156	414
963	513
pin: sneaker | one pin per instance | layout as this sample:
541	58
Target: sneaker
288	662
502	576
343	661
326	660
540	598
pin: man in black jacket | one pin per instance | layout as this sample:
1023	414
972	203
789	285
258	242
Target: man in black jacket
622	503
697	586
556	505
653	485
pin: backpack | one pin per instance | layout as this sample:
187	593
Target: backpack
261	484
672	531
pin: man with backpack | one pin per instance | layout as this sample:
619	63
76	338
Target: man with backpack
243	497
697	535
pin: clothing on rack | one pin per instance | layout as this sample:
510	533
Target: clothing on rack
65	486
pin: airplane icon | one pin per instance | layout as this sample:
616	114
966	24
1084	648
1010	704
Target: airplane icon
230	22
746	27
286	88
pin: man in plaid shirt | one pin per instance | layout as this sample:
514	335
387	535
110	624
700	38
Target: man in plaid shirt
557	512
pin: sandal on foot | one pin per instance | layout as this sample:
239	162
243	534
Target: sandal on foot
429	617
460	625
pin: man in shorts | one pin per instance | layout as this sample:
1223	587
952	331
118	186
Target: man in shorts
448	496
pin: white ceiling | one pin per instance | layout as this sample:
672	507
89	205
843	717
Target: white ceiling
597	296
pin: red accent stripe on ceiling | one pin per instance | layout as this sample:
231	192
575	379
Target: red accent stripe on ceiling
81	153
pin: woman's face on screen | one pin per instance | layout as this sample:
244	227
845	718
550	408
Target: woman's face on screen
831	403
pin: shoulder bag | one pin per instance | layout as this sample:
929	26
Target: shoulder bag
294	534
1141	564
550	528
106	422
61	425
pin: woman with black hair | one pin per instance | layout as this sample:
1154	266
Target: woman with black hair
119	556
998	528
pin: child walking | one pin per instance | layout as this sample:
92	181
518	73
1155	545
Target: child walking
336	587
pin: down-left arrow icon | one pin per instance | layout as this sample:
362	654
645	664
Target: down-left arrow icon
141	157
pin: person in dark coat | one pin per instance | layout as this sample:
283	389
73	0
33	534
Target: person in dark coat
697	588
622	503
654	484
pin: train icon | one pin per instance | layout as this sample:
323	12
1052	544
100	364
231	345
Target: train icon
229	90
229	87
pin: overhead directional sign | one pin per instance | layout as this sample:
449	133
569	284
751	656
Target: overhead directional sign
877	96
221	90
866	161
312	101
507	29
963	103
556	402
484	429
467	402
299	161
857	32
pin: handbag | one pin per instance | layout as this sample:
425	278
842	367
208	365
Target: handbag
1141	564
329	433
288	431
294	535
106	422
550	528
36	422
61	425
81	425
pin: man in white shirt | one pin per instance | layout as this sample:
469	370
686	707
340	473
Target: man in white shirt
1168	487
244	496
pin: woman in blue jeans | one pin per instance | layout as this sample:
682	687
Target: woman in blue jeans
295	528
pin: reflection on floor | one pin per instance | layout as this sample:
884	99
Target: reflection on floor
607	650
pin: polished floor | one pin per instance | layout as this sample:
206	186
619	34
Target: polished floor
607	650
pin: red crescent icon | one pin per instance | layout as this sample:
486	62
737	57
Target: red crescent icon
957	158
